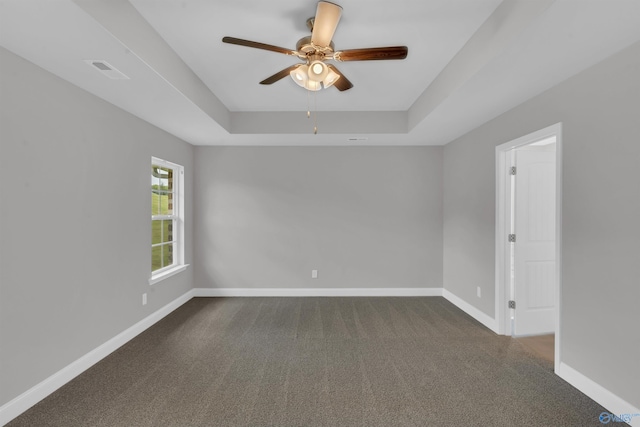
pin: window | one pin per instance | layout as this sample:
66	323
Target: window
167	220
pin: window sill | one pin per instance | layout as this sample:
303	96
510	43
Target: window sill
167	273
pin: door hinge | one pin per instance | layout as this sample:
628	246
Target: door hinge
512	304
513	170
512	238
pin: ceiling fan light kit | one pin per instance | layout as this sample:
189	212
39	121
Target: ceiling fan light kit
301	76
315	74
314	77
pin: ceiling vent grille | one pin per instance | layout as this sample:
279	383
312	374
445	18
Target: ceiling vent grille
106	69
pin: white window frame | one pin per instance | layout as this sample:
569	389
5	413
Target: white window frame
178	228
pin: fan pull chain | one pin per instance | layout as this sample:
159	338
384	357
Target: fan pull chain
315	113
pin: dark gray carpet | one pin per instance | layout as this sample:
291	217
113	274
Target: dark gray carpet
317	362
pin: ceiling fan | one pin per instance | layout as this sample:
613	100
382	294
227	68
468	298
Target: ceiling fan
314	73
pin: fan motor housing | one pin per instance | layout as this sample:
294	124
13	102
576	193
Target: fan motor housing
305	46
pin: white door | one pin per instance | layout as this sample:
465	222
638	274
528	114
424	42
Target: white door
534	247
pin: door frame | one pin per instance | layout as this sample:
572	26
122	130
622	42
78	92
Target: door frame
503	225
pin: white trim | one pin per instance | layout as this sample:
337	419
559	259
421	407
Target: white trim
165	274
35	394
559	148
613	403
503	188
470	310
317	292
503	325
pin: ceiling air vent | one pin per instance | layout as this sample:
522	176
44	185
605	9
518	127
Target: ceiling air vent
107	69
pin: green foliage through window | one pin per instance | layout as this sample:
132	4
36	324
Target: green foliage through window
162	217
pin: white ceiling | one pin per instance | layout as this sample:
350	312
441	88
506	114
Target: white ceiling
469	61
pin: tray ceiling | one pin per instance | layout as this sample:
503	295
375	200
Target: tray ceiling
469	61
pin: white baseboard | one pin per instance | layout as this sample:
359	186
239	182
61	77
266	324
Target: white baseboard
481	317
26	400
317	292
614	404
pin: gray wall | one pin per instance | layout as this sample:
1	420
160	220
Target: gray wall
74	223
365	217
600	112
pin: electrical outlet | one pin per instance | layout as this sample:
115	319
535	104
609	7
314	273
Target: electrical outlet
479	292
144	299
314	274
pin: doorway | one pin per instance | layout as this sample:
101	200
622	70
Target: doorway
528	212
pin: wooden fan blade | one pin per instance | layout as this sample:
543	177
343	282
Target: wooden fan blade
279	75
372	54
325	23
263	46
342	83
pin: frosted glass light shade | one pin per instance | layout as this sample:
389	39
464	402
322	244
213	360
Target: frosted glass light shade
331	78
299	75
313	86
317	71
